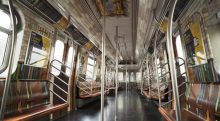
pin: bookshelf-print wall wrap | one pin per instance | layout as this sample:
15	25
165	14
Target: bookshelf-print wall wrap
25	72
200	67
29	88
27	95
202	73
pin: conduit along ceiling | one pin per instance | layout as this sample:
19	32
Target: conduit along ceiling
137	22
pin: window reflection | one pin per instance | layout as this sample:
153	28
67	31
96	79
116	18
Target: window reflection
180	52
5	22
69	60
90	72
58	55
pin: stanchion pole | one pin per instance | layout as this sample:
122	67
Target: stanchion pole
103	67
116	75
172	62
11	59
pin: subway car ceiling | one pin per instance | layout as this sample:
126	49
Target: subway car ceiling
52	60
137	21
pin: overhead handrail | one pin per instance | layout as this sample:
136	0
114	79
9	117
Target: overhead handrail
60	63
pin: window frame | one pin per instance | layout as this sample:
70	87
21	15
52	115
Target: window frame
67	63
7	31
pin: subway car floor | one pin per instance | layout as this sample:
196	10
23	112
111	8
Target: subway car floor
131	107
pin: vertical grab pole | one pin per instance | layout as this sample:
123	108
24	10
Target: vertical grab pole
93	75
148	74
156	71
126	77
103	67
116	74
116	88
110	77
172	61
11	59
142	79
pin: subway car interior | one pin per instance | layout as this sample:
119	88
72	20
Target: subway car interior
109	60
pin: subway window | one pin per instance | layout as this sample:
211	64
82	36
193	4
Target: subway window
5	23
90	76
120	77
138	76
58	55
69	60
180	52
132	77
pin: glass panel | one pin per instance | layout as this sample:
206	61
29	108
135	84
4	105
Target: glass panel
138	76
58	55
90	61
90	73
69	60
180	52
120	77
5	20
131	77
3	41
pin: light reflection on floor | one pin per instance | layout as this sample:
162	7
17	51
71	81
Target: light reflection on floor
131	107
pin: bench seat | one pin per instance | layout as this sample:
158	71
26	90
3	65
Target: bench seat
90	95
153	96
36	113
169	115
29	100
94	94
111	88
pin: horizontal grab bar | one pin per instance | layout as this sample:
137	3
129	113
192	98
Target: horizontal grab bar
57	95
60	79
60	63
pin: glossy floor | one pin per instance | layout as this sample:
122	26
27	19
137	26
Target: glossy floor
131	107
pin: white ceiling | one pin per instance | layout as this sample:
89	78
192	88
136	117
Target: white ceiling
124	24
85	16
83	19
